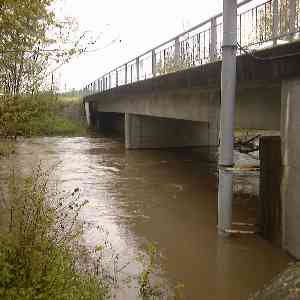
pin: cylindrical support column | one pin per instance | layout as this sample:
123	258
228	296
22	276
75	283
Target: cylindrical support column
117	79
213	40
228	90
275	22
153	63
109	80
137	63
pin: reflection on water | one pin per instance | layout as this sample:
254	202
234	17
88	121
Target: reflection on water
167	197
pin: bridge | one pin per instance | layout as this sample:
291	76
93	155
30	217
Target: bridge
170	95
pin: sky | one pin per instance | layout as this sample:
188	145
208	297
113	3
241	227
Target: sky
126	29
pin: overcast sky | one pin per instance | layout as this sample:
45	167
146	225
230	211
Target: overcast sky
136	25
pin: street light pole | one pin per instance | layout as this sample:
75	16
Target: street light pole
228	93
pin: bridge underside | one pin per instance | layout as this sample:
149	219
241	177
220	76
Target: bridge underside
182	109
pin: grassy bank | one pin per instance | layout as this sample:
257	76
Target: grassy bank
40	115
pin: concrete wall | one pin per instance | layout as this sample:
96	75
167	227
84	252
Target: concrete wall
110	122
183	104
257	106
143	132
290	187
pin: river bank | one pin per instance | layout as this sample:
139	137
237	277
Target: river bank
41	115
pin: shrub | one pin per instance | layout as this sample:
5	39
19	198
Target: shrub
36	116
40	251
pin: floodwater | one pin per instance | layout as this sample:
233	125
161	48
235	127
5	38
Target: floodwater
166	197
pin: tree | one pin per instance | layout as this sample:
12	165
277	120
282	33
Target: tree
32	41
23	30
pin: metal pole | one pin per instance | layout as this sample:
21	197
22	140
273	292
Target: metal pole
153	63
137	63
125	73
228	89
177	51
213	40
275	22
292	8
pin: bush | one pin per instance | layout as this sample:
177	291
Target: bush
40	252
36	116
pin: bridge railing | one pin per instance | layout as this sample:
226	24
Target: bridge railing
260	24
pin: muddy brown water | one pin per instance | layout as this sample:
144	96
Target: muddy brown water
168	197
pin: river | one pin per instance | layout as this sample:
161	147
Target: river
166	197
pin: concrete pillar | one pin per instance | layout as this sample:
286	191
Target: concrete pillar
142	132
87	113
290	186
214	118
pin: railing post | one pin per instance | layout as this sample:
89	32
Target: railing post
137	62
177	51
275	22
292	17
109	80
213	40
99	85
125	73
153	63
103	80
117	79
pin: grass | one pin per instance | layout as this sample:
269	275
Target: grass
7	147
51	124
40	115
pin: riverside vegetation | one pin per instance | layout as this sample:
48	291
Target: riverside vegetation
42	254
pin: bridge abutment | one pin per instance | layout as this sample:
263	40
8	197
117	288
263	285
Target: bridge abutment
142	132
290	187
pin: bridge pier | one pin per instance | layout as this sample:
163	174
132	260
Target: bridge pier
142	132
290	187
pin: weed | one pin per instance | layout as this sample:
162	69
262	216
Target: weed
40	251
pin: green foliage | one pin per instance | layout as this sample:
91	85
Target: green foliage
171	64
148	290
34	43
36	116
6	147
23	29
40	256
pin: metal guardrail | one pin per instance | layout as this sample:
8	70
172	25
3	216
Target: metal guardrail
260	24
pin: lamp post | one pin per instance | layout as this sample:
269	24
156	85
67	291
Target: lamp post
228	90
